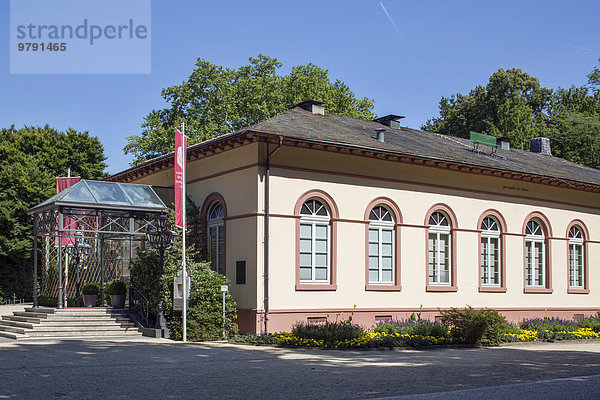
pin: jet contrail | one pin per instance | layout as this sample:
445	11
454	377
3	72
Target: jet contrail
407	46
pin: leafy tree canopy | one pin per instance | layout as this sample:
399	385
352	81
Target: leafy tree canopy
514	104
216	100
30	159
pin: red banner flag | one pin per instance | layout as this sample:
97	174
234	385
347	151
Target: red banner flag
62	184
180	160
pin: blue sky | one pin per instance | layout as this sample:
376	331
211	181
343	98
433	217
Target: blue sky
439	48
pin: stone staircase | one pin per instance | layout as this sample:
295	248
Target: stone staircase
51	323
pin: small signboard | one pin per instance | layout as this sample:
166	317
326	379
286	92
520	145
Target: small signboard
224	288
178	291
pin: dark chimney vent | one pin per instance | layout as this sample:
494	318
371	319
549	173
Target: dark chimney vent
315	107
540	145
390	120
380	134
503	142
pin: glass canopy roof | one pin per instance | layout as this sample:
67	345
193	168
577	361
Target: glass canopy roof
106	195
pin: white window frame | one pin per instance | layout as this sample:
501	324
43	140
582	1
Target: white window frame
217	224
576	249
530	240
439	230
380	225
488	234
313	221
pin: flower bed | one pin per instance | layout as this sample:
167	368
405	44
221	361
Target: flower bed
417	332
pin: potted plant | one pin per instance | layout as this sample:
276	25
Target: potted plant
117	291
90	294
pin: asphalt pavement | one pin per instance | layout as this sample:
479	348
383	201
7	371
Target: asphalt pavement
144	368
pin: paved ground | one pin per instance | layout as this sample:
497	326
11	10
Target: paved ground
160	369
7	309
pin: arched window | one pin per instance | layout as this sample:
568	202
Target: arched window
490	252
576	258
439	248
535	255
216	236
315	242
381	246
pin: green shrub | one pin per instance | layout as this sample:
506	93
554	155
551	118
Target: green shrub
205	306
329	332
428	328
116	288
205	310
475	327
592	323
421	327
91	289
44	301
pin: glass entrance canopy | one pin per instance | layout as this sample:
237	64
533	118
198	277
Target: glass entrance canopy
104	195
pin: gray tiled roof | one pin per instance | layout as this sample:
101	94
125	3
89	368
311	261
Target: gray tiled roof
302	124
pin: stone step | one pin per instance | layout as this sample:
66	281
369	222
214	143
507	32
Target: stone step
82	314
114	332
44	322
12	335
80	328
30	314
21	319
70	317
19	324
82	325
13	329
46	310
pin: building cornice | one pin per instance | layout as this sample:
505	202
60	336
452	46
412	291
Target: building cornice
242	138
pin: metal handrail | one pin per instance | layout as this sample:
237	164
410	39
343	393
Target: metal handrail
139	305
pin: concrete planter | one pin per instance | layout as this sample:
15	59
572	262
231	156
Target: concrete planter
89	300
117	300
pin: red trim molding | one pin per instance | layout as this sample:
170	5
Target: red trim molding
393	208
547	228
586	261
498	217
453	225
321	195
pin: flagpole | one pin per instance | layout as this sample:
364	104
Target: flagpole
183	264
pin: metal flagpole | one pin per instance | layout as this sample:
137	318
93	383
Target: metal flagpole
66	291
183	204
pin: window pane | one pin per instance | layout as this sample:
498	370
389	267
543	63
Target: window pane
386	249
321	245
321	260
386	263
539	265
445	277
373	249
305	273
373	262
373	275
305	231
374	235
305	245
386	276
305	259
528	263
386	236
320	274
321	231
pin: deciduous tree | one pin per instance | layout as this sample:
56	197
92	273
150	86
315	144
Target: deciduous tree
216	100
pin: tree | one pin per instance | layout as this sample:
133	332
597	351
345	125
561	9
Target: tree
514	104
511	104
30	159
216	100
